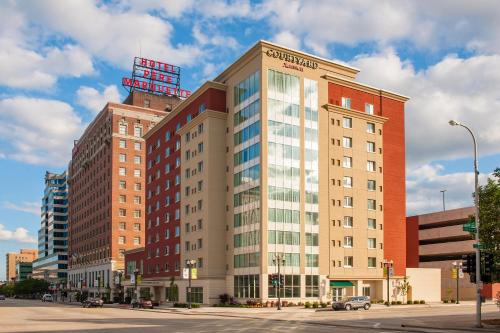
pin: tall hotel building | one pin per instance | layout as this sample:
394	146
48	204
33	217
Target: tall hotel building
282	153
106	190
52	262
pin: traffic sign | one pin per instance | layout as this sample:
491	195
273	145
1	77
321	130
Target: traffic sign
460	274
454	274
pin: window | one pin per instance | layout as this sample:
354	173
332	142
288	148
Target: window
202	108
137	159
137	131
187	190
137	200
347	181
123	144
370	146
200	128
187	246
200	224
122	157
187	154
312	286
137	227
123	184
372	185
188	118
177	214
346	102
167	168
347	162
121	171
348	221
370	166
348	241
200	262
311	239
177	162
137	145
177	248
372	243
188	137
200	185
348	201
122	212
121	253
177	179
121	240
368	108
177	231
372	223
177	145
347	142
167	250
122	129
348	261
167	136
372	262
372	204
122	198
177	196
200	166
200	147
167	233
187	173
178	126
200	204
167	152
122	225
347	122
370	127
137	186
137	214
137	173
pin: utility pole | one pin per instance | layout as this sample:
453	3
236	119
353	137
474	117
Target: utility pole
444	207
279	259
136	275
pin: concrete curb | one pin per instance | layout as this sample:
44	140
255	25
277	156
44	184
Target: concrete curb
485	328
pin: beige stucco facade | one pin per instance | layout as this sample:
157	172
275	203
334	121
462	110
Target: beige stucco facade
11	258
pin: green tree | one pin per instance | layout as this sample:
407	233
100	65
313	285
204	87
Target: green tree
489	217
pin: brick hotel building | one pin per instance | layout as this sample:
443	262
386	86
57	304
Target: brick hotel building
106	190
282	153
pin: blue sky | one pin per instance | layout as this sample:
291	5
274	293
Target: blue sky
60	62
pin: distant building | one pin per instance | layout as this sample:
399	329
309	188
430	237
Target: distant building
437	240
52	262
23	270
11	258
106	179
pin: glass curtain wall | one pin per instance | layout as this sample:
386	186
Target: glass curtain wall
246	186
283	119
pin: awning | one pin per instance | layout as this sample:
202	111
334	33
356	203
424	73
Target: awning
341	284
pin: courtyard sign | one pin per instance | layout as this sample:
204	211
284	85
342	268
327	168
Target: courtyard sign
291	60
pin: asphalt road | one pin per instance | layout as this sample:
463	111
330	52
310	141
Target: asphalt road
35	316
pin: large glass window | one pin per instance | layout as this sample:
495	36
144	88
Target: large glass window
247	133
289	290
247	88
247	260
246	286
248	175
283	237
312	286
196	295
247	154
247	239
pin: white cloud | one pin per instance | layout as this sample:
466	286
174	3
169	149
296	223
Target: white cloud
454	88
26	64
112	33
27	207
351	22
210	37
167	8
93	100
20	235
38	131
286	38
424	184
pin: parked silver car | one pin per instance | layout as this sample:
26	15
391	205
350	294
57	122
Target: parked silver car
353	302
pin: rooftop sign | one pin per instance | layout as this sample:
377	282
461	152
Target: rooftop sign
292	60
155	77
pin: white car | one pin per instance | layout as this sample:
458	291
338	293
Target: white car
47	298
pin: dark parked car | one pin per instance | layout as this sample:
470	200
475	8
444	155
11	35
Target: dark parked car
93	303
2	297
353	302
142	304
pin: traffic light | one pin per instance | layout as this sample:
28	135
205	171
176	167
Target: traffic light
488	268
282	280
469	266
274	280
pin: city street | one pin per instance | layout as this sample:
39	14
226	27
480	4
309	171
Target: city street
35	316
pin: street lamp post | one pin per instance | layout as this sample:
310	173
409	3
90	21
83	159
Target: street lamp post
136	274
190	264
444	207
458	267
388	265
279	260
476	213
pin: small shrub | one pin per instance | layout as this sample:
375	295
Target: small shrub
386	303
399	302
315	305
290	304
328	303
323	305
452	301
381	301
224	298
393	303
307	305
409	302
185	305
300	304
422	302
